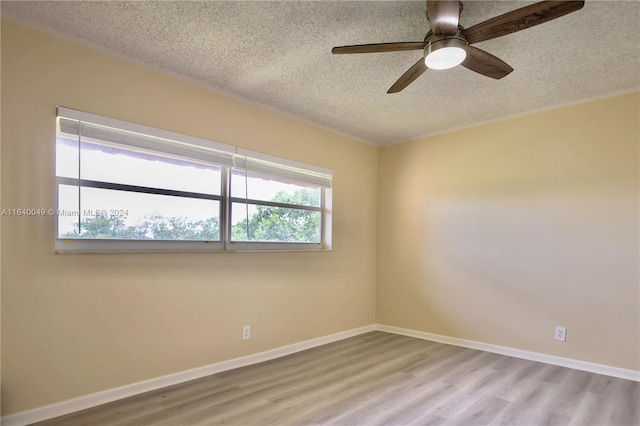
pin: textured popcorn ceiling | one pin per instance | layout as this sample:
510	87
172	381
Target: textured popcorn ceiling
278	54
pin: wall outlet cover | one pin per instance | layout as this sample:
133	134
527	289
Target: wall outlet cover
561	334
246	332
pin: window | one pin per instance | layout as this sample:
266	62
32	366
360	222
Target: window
268	208
126	187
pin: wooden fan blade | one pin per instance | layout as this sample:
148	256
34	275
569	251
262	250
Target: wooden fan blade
485	63
520	19
409	77
380	47
443	16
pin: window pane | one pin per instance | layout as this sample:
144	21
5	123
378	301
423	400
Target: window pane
274	224
106	163
68	209
111	214
264	188
67	157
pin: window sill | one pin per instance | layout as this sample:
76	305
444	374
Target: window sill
175	251
129	247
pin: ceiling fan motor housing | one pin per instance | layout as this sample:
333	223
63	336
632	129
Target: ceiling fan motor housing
435	42
445	51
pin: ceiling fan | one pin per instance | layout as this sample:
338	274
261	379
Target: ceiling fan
448	44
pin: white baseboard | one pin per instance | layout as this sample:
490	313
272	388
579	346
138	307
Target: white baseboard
110	395
517	353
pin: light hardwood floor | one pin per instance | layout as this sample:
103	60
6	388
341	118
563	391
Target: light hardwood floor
380	378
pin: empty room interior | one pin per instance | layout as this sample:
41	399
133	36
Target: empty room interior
269	213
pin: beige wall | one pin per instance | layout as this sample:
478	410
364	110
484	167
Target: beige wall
500	232
77	324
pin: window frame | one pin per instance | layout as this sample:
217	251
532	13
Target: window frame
270	245
225	243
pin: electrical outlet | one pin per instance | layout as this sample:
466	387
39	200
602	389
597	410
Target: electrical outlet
561	334
246	332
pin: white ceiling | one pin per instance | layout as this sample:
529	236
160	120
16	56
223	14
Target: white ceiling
278	54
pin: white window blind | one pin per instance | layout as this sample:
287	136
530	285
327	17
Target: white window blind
255	162
122	133
105	130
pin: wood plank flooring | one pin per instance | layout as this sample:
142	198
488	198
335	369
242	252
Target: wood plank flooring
382	379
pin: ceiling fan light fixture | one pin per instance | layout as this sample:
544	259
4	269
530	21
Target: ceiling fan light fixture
445	53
